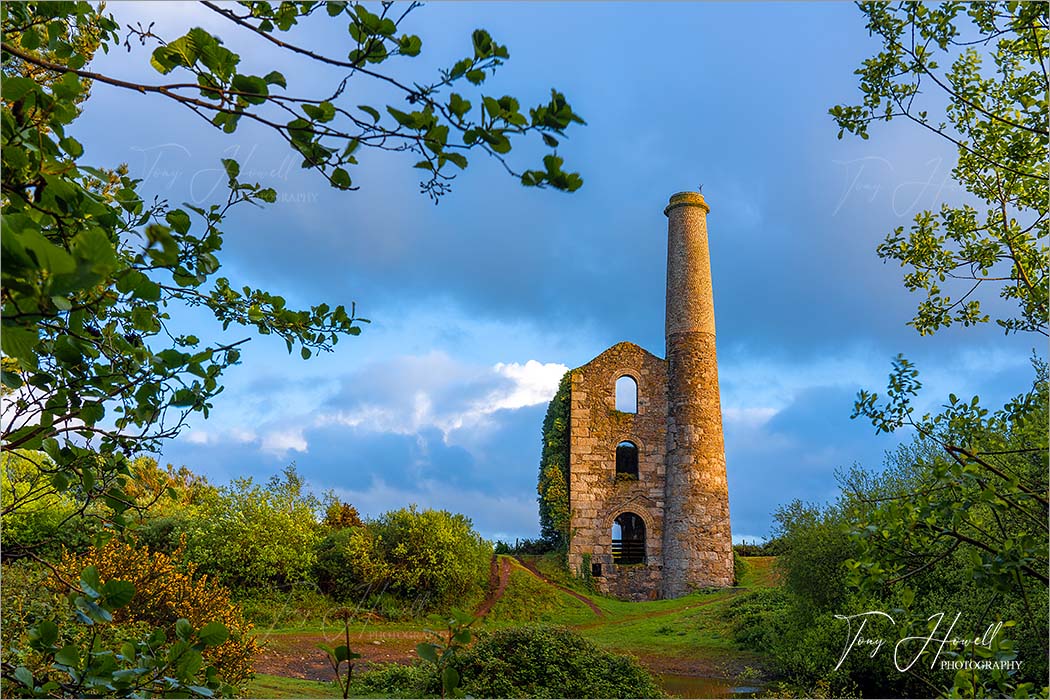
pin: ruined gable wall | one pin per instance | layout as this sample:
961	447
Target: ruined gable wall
596	497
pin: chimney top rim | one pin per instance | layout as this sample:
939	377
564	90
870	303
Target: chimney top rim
686	199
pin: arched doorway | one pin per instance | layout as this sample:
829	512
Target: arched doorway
628	539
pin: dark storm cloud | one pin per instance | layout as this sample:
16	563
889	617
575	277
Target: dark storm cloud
796	213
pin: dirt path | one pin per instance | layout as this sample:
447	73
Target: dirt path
297	655
579	596
497	585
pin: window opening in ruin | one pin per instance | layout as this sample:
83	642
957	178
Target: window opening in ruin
627	460
628	539
626	395
596	570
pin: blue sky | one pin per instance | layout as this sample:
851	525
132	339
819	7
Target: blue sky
479	304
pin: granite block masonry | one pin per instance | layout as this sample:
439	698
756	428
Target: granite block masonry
648	495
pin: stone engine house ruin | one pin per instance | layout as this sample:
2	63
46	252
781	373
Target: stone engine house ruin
648	499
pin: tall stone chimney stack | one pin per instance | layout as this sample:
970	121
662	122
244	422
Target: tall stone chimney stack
697	544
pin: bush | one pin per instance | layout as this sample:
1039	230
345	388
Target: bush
36	516
250	536
339	515
754	619
397	680
550	662
165	592
24	598
537	546
770	548
333	571
430	556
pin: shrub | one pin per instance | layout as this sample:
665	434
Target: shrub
550	662
37	517
24	598
166	591
430	555
770	548
339	515
334	572
252	536
295	606
754	618
163	534
397	680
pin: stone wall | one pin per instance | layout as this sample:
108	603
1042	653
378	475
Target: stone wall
596	497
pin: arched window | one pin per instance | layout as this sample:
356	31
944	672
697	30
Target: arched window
628	539
627	459
626	394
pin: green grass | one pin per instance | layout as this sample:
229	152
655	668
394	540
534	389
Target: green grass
760	572
264	686
692	627
527	599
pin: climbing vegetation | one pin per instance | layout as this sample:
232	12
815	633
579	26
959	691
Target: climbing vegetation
553	484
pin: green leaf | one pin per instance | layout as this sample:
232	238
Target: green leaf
371	111
19	343
89	578
403	118
71	146
24	676
275	78
340	178
44	634
450	679
118	593
214	633
178	220
30	39
68	655
233	168
410	45
183	629
457	105
17	87
60	481
322	112
427	652
458	158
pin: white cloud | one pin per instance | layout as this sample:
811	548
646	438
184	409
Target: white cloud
234	434
533	383
439	389
281	441
748	417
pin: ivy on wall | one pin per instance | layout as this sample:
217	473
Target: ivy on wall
553	486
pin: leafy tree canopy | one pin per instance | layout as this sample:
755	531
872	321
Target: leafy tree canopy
974	74
93	270
93	370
